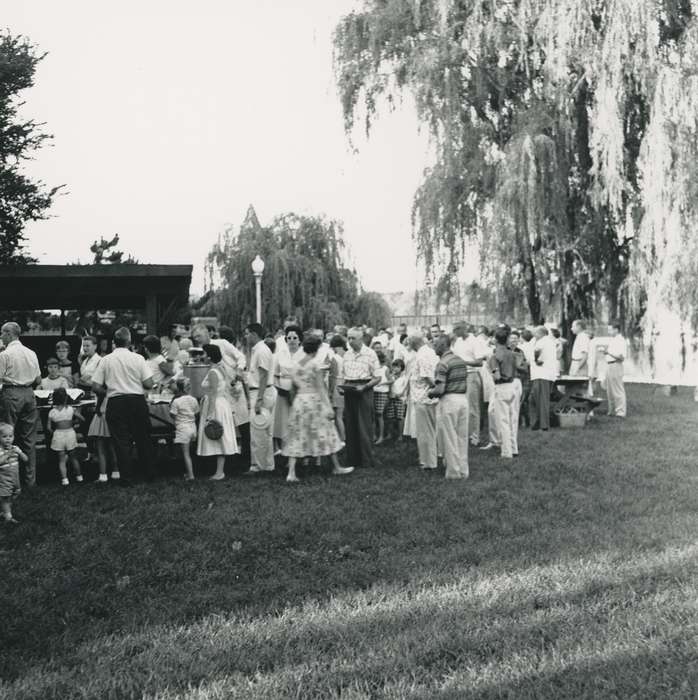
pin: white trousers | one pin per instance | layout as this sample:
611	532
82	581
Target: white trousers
506	415
425	421
452	416
615	390
261	441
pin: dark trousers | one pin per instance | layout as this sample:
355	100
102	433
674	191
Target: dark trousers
525	397
244	429
539	403
358	423
18	408
129	421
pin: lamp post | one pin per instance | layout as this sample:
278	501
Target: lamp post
258	271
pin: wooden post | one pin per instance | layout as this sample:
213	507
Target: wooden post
62	323
151	313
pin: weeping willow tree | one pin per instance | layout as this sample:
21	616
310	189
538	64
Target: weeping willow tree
548	120
305	273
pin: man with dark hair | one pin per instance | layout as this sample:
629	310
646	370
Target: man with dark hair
262	399
543	375
124	376
19	374
579	367
505	402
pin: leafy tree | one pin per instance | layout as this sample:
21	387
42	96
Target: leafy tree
372	310
305	273
21	198
105	251
557	128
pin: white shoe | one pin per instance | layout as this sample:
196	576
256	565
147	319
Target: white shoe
64	482
342	470
102	479
79	478
115	475
488	446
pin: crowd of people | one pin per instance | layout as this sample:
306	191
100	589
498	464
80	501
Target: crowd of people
296	394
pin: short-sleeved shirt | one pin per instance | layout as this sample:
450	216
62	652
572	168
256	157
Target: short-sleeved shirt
88	367
122	372
617	347
60	414
383	386
471	349
424	368
154	367
582	344
261	358
503	360
452	373
548	356
184	409
19	365
361	365
51	384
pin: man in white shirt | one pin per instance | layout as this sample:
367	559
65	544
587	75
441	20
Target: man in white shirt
543	374
125	377
616	352
19	374
359	368
422	380
262	400
473	351
579	366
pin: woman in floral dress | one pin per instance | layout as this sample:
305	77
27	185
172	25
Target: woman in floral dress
311	429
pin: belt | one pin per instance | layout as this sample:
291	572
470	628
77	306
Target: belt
356	381
475	370
17	386
454	393
612	362
503	381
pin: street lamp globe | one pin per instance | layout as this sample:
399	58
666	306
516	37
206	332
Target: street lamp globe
257	266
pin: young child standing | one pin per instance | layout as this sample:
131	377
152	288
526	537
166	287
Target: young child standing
395	412
64	440
184	409
9	471
381	394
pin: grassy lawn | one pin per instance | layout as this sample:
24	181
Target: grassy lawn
571	573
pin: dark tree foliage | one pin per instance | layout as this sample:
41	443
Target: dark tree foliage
21	198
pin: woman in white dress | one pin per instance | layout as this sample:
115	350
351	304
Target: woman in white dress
285	358
311	430
216	405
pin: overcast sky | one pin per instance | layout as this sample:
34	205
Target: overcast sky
171	117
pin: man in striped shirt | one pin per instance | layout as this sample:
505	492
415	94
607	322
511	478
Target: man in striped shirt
450	387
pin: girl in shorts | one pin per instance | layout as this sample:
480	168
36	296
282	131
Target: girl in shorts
184	409
64	440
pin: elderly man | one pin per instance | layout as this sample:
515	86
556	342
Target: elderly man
19	374
359	368
421	382
262	398
473	351
579	366
450	387
543	374
125	377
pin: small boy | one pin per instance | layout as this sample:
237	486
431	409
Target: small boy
9	471
395	412
55	379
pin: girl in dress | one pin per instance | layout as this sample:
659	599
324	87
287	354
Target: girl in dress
216	405
339	347
311	430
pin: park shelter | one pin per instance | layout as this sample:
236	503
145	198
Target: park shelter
158	290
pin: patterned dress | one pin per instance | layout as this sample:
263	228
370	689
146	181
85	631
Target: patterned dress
310	432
